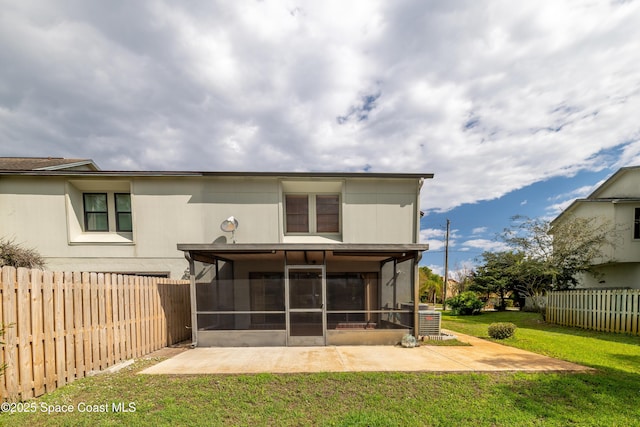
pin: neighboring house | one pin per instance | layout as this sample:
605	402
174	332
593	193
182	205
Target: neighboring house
453	288
307	259
617	201
46	163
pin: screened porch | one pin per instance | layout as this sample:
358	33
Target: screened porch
276	295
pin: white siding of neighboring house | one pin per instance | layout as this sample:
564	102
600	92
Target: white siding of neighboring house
615	202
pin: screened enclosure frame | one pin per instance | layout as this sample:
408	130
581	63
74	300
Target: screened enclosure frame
241	295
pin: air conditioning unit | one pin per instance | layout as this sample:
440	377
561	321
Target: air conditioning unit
429	322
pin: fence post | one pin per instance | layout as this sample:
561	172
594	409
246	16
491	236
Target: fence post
10	313
24	334
37	332
110	360
635	309
70	332
80	327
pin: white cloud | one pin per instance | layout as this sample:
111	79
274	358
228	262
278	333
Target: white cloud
576	193
485	245
562	201
631	152
502	95
436	238
457	271
479	230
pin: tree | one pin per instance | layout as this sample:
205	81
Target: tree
14	255
430	285
499	273
534	280
561	251
465	303
463	277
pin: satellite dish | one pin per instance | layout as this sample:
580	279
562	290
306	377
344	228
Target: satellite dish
230	225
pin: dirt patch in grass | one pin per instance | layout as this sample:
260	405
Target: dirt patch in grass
166	352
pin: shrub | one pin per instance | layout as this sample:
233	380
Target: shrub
500	331
14	255
465	303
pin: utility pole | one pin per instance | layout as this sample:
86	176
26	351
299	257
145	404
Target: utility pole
446	267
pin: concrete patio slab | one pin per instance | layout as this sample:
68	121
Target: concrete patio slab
481	356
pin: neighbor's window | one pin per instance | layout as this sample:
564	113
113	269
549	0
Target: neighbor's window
636	225
123	212
96	215
312	213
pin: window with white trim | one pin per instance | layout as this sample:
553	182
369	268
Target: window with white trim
99	211
636	224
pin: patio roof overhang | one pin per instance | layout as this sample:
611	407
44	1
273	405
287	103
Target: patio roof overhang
235	251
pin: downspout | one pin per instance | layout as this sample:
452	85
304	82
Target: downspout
192	294
418	212
395	284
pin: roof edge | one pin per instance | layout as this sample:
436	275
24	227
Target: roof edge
105	173
346	247
88	162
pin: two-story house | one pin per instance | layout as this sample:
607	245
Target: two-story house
616	202
274	258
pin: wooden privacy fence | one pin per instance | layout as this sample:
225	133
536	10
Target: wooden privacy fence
67	324
600	310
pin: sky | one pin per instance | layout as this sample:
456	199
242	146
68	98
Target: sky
516	107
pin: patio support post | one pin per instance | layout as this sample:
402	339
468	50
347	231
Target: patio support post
416	297
192	294
416	294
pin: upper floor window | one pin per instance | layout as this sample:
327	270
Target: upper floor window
99	211
96	215
123	212
636	224
312	213
97	207
297	208
328	213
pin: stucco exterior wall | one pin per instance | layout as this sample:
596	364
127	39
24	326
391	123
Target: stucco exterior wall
620	275
380	212
628	250
46	213
33	212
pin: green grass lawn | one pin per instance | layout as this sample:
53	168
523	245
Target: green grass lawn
609	396
591	348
